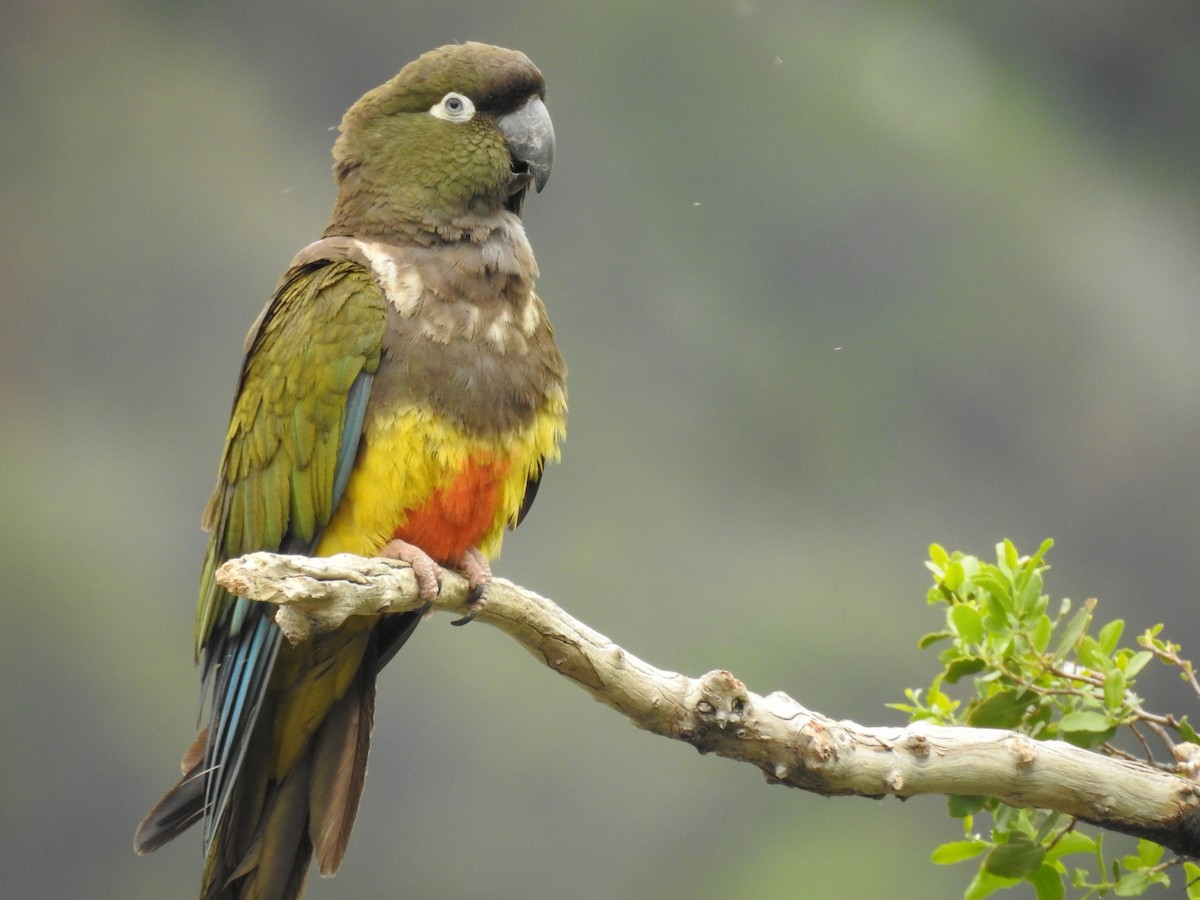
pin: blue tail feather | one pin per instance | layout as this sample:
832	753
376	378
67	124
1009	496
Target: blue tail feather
236	702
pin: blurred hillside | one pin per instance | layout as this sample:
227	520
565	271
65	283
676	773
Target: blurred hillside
834	281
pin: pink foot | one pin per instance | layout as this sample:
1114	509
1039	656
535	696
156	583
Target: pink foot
473	565
423	566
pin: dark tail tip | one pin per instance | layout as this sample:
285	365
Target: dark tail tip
179	809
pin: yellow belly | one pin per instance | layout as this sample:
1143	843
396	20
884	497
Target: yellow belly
411	461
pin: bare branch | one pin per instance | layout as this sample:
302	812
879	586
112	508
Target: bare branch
716	714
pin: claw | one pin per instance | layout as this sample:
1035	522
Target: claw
476	602
479	575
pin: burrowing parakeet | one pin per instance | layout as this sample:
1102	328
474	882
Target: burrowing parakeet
400	395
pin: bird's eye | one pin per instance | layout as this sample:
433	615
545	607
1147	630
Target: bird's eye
454	107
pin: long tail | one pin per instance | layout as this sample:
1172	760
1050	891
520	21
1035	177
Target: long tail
295	792
275	819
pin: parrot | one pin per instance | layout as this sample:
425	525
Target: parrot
399	397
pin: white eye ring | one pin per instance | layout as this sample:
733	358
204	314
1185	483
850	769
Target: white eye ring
454	107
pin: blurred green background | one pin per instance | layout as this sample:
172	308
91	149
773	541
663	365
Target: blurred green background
834	281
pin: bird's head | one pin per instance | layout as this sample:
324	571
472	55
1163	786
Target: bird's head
459	134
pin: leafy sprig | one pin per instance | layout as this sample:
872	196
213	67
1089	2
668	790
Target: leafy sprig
1011	662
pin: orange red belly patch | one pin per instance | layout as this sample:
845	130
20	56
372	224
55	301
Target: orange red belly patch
455	518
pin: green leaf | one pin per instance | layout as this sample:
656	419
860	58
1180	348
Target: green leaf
996	620
1071	842
984	884
938	556
1037	558
950	654
1084	720
939	703
967	623
1047	825
999	590
1089	739
1114	689
1086	728
1039	636
953	578
1149	852
961	668
1007	556
957	851
1030	594
932	638
959	806
1135	884
1004	709
1110	635
1191	872
999	640
1075	628
1015	859
1137	662
1047	883
1091	655
1187	732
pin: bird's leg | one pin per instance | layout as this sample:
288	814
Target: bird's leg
474	566
423	566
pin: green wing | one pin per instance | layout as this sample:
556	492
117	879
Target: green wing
291	444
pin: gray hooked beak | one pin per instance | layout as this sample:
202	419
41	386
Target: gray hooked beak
530	136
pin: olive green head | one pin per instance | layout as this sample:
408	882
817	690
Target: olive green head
461	132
